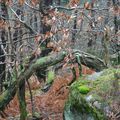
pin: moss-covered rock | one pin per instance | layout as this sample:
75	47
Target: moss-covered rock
77	108
90	99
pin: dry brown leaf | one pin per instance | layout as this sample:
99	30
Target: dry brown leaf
73	3
87	5
37	38
34	2
21	2
50	44
48	34
2	23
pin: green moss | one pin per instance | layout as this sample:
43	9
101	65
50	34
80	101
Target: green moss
84	89
50	76
81	81
96	98
23	114
36	115
103	84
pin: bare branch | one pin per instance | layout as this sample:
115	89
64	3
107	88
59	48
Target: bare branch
23	22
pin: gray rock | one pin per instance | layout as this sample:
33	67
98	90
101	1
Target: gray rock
97	104
89	98
94	76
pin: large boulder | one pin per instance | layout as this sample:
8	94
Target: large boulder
92	99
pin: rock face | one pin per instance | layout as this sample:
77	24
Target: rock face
92	98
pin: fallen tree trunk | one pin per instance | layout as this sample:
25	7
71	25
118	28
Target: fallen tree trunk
41	63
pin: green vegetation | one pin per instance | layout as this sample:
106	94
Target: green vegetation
83	89
50	77
98	91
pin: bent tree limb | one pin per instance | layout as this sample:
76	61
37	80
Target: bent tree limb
41	63
9	94
90	61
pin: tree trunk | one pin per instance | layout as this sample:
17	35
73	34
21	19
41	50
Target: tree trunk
116	4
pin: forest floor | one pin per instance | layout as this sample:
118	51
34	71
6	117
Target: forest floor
50	104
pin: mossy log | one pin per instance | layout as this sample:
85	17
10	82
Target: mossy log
91	61
42	63
7	96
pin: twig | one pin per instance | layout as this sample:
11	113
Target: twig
31	7
78	7
23	22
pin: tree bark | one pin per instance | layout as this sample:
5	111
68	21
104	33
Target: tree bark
91	61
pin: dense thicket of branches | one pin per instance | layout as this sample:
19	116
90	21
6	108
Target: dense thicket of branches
34	34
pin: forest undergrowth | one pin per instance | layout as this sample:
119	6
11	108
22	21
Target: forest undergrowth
50	104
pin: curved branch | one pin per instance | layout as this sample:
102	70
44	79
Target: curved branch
9	94
91	61
23	22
